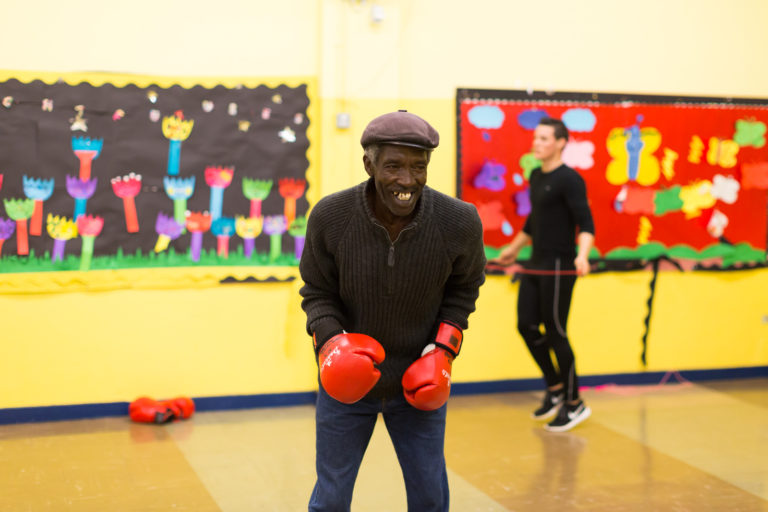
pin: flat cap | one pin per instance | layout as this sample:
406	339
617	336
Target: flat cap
400	128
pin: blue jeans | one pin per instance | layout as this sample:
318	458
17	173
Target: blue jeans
343	433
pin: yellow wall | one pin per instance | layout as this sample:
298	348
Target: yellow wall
248	339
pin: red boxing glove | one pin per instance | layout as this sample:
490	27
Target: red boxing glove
182	407
146	410
427	382
348	366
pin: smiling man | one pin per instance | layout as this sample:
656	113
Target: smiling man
392	269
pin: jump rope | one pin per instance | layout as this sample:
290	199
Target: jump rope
516	268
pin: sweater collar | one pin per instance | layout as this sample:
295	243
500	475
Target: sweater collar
425	203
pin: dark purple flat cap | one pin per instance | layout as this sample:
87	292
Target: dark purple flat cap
401	128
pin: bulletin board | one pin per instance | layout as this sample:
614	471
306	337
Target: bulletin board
679	177
124	172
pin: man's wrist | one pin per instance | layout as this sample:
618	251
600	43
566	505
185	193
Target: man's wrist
325	330
449	337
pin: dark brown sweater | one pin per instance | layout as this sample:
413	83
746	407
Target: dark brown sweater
398	292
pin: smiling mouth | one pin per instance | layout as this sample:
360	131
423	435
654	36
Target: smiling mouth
402	196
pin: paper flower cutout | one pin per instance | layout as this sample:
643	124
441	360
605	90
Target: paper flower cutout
290	190
248	228
579	119
7	227
722	152
275	226
578	154
750	133
20	210
491	215
528	163
176	129
487	117
167	229
256	191
725	189
639	200
491	176
218	178
696	197
632	151
223	228
644	231
61	229
754	176
717	223
80	191
89	227
197	224
523	202
38	190
298	230
86	150
529	119
179	190
667	200
127	188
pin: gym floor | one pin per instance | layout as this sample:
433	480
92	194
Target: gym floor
673	447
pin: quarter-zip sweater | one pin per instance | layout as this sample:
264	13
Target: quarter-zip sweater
357	279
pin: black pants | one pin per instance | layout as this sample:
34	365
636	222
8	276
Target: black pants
546	299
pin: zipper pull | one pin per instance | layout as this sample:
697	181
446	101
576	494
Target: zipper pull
391	257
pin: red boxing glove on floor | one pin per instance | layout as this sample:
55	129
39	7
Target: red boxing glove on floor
146	410
348	366
182	407
427	382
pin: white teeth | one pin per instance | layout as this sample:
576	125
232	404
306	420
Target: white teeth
403	196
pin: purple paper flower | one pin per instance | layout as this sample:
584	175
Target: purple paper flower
7	227
275	226
81	191
167	229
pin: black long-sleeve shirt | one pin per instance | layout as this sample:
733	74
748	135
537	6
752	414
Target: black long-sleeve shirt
358	280
558	205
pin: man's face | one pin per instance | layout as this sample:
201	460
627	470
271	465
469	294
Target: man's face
545	145
399	174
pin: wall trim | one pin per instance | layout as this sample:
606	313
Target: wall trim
219	403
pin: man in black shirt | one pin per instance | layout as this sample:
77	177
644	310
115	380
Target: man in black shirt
558	206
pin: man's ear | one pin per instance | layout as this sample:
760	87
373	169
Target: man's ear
368	165
561	144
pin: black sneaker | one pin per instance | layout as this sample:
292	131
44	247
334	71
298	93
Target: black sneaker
549	405
568	417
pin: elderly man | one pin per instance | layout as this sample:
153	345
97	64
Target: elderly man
391	270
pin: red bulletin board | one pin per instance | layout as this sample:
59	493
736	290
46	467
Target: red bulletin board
680	176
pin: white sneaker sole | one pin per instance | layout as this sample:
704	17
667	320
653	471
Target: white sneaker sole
575	421
546	416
